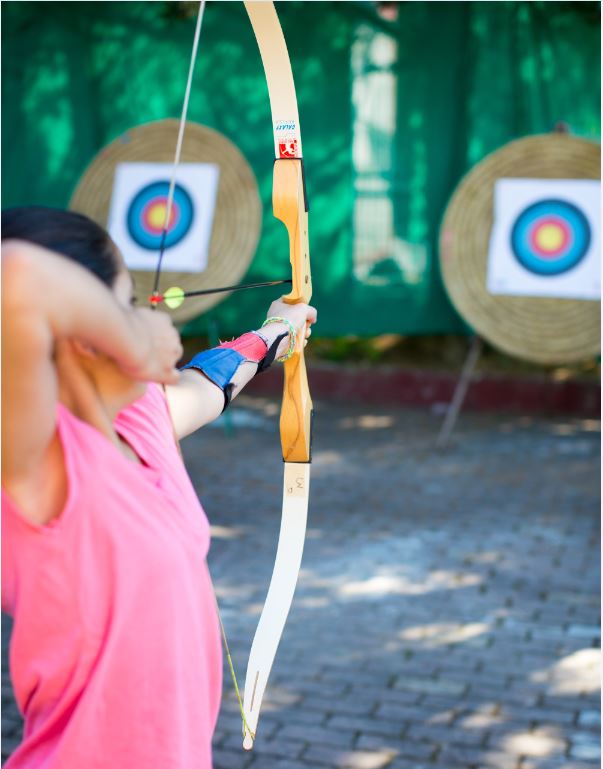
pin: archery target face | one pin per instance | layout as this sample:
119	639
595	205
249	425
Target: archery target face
147	215
545	238
138	213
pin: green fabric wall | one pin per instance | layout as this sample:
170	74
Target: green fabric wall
471	76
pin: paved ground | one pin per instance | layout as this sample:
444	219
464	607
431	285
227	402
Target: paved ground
448	609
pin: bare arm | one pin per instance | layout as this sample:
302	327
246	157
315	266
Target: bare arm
46	298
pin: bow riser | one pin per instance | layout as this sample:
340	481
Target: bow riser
289	206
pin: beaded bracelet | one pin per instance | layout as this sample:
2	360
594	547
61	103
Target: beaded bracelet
292	335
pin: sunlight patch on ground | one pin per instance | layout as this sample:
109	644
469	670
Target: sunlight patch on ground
321	583
278	698
225	532
576	674
591	425
539	743
492	556
314	534
254	609
366	759
392	585
481	718
313	603
564	429
367	422
326	458
238	593
441	634
444	717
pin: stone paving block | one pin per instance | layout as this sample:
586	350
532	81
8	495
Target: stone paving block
362	695
230	759
555	763
9	744
463	756
420	714
458	664
268	747
571	645
323	755
589	632
539	716
590	718
566	702
349	704
585	746
404	748
12	723
508	727
328	689
431	686
261	762
484	679
505	697
358	678
441	735
411	763
317	735
298	714
378	726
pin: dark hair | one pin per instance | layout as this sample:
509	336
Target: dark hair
73	235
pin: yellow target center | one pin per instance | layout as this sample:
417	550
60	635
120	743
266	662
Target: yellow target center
550	237
156	215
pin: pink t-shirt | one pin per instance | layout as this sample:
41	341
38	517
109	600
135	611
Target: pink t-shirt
115	654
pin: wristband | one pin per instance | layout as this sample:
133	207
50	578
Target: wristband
292	335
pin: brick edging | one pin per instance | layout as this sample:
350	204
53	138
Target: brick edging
390	385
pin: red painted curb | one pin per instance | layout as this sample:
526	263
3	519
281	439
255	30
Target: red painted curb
392	386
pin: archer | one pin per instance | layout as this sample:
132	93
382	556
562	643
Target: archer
115	653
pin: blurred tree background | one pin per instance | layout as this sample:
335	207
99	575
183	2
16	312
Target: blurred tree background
397	102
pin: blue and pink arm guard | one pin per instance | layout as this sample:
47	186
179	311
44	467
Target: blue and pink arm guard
221	363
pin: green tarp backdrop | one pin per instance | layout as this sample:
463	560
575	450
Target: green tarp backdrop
397	101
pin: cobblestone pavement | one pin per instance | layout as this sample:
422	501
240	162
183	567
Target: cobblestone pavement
448	608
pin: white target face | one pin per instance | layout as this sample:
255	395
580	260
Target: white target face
138	214
546	238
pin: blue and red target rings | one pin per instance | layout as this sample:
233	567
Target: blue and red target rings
550	237
146	216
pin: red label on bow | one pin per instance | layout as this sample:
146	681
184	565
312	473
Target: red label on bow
287	148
